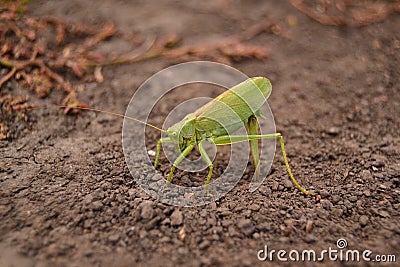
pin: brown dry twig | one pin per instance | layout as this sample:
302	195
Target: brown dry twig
224	50
36	56
350	13
12	114
32	54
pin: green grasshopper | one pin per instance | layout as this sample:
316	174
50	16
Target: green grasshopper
215	121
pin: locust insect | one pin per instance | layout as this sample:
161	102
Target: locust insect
216	122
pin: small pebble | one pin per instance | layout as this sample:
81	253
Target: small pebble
337	212
336	199
363	220
348	204
310	238
246	226
324	193
176	218
182	250
274	186
287	183
353	198
96	205
205	244
366	175
254	207
326	204
333	131
256	235
378	164
147	210
113	238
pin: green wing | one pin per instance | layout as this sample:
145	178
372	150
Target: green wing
230	111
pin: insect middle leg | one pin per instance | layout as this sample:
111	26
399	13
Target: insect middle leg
230	139
207	159
252	129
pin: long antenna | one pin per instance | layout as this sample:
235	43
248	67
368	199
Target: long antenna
106	112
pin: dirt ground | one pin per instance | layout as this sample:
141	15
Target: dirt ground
68	198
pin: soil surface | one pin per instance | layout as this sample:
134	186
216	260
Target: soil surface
68	198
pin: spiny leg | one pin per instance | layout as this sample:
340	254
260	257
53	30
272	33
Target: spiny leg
252	129
230	139
158	149
207	159
181	157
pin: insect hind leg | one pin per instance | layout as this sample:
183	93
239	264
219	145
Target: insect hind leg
230	139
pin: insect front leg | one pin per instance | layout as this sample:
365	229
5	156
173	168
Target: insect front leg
158	149
207	159
230	139
181	157
252	129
